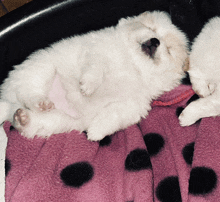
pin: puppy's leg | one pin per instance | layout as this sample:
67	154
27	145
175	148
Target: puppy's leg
114	117
21	116
92	73
31	81
44	124
90	81
203	107
202	87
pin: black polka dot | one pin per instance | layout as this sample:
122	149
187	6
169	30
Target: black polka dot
138	159
7	166
168	190
193	98
105	142
154	143
186	79
12	128
198	122
75	175
179	111
187	153
202	180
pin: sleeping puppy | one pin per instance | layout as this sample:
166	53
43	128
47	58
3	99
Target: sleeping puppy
204	74
110	78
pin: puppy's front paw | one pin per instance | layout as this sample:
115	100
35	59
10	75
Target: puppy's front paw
95	137
88	84
86	88
94	134
203	88
188	117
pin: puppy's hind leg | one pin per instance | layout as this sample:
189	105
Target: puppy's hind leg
44	124
112	118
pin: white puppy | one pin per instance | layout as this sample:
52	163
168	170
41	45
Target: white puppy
204	74
110	77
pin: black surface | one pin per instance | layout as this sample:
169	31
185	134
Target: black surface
80	16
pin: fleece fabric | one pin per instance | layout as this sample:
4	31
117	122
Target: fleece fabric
156	160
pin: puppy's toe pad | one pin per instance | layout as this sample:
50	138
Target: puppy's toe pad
21	117
46	105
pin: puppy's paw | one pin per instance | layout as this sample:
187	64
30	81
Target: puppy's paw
46	105
203	88
20	119
39	104
189	116
88	84
86	88
27	126
94	137
95	134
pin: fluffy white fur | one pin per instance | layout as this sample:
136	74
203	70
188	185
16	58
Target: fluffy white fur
107	76
204	74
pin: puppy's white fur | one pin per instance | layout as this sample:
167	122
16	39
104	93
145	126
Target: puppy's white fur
109	80
204	74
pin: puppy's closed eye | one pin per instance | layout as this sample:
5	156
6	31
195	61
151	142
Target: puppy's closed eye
149	47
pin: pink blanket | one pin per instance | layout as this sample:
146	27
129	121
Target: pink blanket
157	160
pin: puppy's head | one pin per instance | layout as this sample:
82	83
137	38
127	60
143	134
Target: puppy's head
151	37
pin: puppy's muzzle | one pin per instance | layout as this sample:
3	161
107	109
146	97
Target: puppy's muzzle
149	47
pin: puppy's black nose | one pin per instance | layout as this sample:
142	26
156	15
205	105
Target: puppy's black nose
150	46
